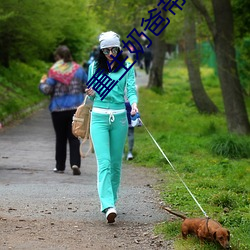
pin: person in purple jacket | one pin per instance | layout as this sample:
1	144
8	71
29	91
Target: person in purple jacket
65	83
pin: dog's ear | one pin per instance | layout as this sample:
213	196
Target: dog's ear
228	237
214	235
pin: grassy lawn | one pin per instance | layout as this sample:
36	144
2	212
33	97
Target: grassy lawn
214	164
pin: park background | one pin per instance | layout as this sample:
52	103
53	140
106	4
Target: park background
196	103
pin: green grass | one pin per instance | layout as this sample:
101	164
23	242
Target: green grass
214	164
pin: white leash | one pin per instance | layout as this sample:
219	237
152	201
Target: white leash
174	169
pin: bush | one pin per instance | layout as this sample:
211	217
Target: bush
19	88
231	146
224	200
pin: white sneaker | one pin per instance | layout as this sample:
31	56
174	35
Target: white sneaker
111	214
58	171
76	170
130	156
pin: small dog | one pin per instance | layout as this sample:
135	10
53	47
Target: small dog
204	229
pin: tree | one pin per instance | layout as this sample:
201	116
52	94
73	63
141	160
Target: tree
223	37
132	18
23	33
28	33
119	16
201	99
241	17
159	51
242	32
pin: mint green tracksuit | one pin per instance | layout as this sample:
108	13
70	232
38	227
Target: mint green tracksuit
109	132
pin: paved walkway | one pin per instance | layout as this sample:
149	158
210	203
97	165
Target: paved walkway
141	78
29	189
26	163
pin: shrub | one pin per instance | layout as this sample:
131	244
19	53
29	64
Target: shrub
224	200
231	146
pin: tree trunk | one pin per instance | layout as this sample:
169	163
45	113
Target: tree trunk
159	51
201	99
235	109
223	37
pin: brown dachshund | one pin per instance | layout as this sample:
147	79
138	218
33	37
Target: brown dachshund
204	229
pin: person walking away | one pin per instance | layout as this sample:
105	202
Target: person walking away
147	58
109	123
65	84
131	130
130	133
128	109
93	55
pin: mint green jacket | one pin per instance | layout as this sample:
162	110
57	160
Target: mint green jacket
115	98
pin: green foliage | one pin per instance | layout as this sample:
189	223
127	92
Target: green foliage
243	60
242	35
28	33
175	30
19	87
219	183
111	14
241	17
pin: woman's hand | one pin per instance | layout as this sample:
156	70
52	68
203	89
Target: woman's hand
134	109
43	79
90	92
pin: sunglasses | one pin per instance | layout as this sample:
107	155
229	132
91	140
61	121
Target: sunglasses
107	51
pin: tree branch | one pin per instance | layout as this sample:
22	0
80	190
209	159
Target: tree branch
202	9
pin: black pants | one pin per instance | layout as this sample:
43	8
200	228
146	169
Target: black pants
130	139
62	122
147	65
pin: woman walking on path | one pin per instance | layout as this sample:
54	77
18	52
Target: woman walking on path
109	123
65	83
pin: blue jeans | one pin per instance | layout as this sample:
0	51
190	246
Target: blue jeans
108	139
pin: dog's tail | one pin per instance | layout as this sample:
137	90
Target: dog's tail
175	213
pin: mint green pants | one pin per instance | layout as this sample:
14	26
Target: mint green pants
108	136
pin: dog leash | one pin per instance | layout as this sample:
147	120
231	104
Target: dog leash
174	170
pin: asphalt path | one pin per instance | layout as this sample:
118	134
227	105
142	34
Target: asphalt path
26	164
31	190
